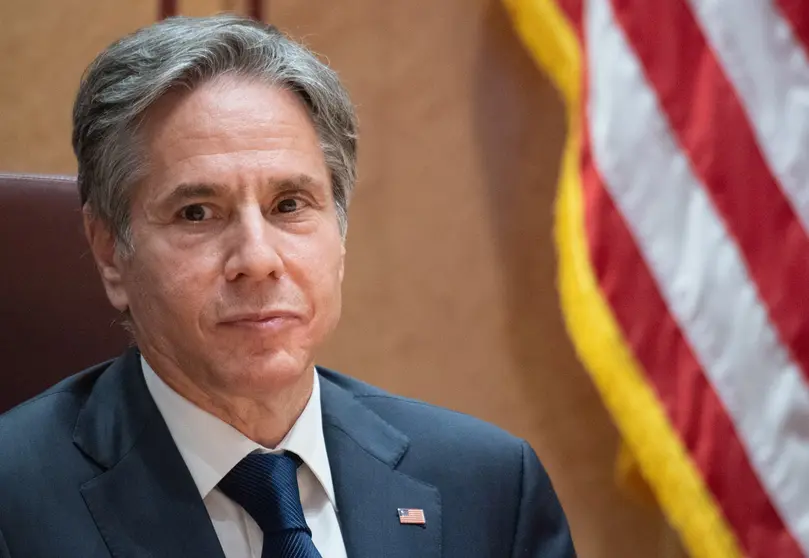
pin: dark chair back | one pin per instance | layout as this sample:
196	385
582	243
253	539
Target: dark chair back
54	316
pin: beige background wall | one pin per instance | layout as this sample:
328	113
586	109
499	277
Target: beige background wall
450	288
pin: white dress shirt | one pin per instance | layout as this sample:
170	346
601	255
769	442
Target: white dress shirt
211	448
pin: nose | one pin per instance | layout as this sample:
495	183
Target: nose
253	248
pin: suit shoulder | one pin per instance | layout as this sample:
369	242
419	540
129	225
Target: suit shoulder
422	421
50	416
356	387
76	386
444	425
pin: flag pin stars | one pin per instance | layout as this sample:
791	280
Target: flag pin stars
411	516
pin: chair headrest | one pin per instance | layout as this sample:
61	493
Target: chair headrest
54	316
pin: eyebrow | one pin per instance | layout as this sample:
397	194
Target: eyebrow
202	190
193	191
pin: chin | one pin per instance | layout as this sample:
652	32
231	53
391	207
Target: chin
263	372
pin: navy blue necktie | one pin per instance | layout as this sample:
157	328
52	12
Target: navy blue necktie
266	486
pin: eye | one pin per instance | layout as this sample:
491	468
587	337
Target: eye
195	213
288	205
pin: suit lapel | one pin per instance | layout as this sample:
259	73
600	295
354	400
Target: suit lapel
364	452
145	503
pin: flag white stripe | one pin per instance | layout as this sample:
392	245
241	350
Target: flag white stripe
698	268
769	70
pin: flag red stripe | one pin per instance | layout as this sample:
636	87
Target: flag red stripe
797	13
710	125
674	373
672	369
574	10
676	376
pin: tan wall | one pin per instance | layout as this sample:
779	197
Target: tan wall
450	289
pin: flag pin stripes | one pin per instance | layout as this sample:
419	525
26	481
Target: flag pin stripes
411	516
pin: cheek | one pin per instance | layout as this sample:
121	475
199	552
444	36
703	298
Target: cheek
320	277
331	291
169	291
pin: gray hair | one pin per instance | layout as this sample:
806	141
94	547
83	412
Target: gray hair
180	52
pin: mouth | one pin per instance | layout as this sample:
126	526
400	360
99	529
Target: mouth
261	320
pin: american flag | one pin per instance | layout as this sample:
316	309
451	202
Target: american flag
411	516
682	222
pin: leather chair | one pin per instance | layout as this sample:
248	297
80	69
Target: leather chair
54	316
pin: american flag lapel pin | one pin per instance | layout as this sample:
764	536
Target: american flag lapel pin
411	516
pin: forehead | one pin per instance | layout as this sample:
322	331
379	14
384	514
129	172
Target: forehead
231	129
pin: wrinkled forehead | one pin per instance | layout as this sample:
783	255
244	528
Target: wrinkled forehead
230	131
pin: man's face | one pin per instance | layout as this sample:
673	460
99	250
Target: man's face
238	258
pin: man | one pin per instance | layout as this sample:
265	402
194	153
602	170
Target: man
216	160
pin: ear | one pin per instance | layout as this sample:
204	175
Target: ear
108	261
342	260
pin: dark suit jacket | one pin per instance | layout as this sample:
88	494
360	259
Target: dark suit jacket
89	469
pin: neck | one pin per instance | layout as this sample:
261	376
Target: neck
265	419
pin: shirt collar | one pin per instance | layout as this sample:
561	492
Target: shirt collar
211	448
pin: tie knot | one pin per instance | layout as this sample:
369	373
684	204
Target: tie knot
266	486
